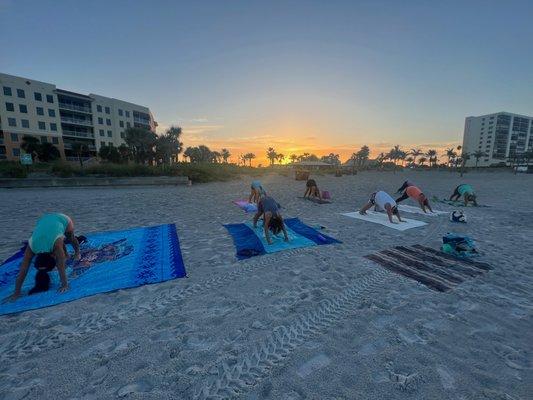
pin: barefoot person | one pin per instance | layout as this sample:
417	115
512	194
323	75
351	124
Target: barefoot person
416	194
47	244
272	221
257	192
382	201
467	192
312	189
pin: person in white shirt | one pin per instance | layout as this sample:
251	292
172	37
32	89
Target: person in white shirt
382	200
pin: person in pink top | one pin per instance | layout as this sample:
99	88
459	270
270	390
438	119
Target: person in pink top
416	194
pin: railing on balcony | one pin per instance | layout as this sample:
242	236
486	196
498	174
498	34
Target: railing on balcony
74	107
77	121
90	147
67	132
141	121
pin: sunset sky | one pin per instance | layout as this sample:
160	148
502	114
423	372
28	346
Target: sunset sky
300	76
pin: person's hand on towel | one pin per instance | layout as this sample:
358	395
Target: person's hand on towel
63	289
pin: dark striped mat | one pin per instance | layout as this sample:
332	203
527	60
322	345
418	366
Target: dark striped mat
435	269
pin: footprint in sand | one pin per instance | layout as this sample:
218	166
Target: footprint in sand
446	377
141	386
317	362
410	337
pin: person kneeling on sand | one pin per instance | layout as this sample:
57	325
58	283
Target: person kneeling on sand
382	201
312	189
47	244
466	191
417	195
272	219
257	192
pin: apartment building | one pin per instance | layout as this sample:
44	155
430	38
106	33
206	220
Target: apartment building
499	136
61	117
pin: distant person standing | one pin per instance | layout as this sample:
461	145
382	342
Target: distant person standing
383	201
467	192
417	195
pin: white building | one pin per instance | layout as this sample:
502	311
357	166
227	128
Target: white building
33	108
500	136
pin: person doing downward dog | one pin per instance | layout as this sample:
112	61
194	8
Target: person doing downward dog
257	192
312	189
272	221
417	195
48	244
382	200
405	185
467	192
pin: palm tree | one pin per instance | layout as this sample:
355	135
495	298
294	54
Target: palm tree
271	155
478	154
422	160
280	157
432	154
410	160
249	157
79	148
464	158
293	158
30	144
225	155
451	154
380	158
354	159
415	153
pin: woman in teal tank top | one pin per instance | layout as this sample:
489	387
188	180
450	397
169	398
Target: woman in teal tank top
466	191
47	244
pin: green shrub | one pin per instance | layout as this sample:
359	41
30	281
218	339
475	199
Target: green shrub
12	169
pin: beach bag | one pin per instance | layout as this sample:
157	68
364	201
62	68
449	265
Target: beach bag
458	245
326	195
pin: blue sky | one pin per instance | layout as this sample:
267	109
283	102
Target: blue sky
298	75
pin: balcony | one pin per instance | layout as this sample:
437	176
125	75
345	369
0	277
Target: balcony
72	107
141	121
67	132
77	121
90	147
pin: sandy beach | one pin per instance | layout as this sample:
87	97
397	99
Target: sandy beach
314	323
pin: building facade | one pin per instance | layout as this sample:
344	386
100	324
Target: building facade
63	118
500	136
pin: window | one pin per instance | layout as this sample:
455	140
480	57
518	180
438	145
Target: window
10	107
38	96
127	114
23	109
128	125
100	120
99	108
102	133
108	122
14	137
55	140
120	112
12	122
107	111
40	111
42	125
21	94
51	113
109	133
49	98
44	139
7	91
53	127
25	123
16	152
121	123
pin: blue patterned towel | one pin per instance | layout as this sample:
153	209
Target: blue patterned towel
109	261
251	242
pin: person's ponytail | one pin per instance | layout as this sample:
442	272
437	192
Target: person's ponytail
42	282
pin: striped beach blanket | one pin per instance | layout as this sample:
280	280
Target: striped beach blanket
435	269
109	261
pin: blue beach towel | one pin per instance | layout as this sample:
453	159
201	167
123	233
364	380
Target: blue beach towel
251	242
109	261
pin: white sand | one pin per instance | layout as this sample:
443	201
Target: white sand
313	323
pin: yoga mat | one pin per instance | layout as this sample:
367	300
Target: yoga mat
418	210
382	219
244	205
251	242
109	261
316	200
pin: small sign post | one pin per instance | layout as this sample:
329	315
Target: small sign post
25	159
